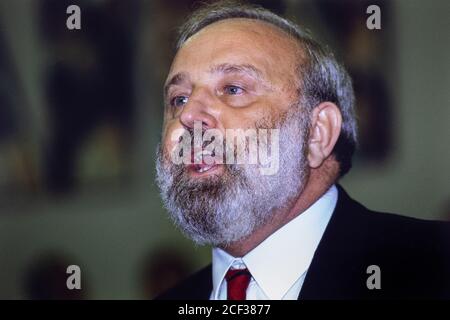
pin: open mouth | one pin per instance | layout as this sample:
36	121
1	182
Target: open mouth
199	165
201	168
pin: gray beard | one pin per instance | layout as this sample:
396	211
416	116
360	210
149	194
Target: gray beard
219	210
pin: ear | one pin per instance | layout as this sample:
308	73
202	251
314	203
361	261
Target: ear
325	129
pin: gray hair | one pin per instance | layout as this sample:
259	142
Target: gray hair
321	77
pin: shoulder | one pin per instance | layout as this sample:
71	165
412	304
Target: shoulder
388	226
413	254
198	286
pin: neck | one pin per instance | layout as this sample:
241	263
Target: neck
316	185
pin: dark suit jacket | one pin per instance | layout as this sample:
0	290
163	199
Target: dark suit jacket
413	256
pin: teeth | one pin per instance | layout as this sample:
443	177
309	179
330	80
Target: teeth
200	165
204	169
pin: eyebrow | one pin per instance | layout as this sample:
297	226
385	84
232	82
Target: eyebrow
248	69
175	80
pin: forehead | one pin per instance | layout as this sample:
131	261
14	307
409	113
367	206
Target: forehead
239	41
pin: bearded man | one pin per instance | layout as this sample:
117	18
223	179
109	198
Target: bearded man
293	233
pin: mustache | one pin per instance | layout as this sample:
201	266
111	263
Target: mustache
257	145
178	171
268	122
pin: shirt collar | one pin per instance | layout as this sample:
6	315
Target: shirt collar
287	252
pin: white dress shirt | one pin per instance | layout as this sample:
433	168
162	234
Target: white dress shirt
278	265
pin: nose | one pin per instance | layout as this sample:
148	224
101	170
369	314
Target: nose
199	108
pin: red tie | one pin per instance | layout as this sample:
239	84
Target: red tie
237	283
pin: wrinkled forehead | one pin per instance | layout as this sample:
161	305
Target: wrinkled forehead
240	41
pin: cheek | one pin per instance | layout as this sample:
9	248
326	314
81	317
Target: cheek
241	118
168	141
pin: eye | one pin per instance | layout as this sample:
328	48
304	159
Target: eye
233	90
179	101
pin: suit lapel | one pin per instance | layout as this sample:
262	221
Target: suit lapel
201	286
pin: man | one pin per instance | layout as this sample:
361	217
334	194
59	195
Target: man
291	232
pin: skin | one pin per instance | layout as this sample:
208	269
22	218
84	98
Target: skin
232	74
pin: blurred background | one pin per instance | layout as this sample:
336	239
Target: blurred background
81	114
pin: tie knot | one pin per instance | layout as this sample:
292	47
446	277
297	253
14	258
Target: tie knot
237	283
237	273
